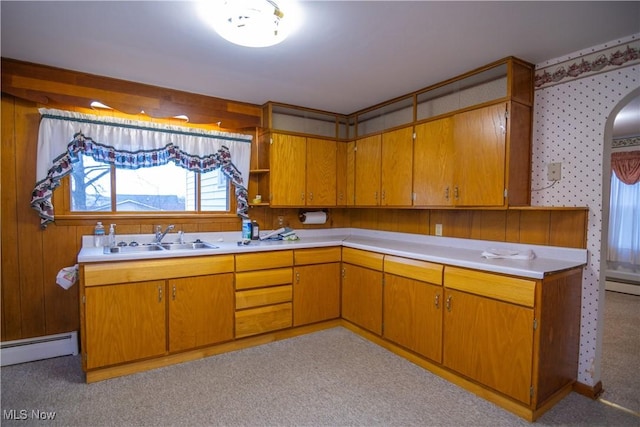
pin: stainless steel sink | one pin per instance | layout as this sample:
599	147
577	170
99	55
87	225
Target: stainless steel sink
158	247
194	245
132	249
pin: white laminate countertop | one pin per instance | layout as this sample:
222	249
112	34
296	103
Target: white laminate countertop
443	250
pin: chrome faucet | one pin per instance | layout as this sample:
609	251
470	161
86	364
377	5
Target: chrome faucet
160	234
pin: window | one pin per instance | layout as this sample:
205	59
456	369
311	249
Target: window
168	188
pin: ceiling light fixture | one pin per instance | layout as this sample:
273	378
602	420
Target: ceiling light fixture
252	23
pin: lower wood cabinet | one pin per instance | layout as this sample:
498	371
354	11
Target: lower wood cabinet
264	292
490	341
200	311
124	322
413	299
362	288
316	286
125	319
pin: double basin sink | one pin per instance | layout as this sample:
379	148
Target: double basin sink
152	247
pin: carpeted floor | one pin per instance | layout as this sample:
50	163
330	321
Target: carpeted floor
621	350
329	378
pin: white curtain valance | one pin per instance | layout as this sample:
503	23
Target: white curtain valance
132	144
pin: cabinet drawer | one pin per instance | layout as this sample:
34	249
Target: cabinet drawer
264	260
362	258
263	296
316	256
414	269
264	278
503	288
263	319
155	269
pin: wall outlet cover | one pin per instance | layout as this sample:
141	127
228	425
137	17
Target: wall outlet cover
554	171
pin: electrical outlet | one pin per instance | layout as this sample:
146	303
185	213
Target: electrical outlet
438	229
554	171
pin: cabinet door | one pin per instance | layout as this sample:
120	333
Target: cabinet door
316	293
396	179
362	297
321	172
480	143
125	322
367	183
433	163
489	341
287	170
345	172
413	315
201	311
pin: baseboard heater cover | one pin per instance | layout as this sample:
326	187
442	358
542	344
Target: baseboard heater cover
38	348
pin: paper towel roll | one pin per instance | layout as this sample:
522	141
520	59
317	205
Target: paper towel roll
313	217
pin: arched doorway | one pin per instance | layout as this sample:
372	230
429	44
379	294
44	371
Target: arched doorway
620	352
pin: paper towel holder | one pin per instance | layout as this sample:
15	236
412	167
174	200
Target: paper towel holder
302	213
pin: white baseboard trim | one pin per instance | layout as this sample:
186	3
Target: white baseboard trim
625	288
38	348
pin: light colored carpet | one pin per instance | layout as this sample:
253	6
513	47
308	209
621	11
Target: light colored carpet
621	350
328	378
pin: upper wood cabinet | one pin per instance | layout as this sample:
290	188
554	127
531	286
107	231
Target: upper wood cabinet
302	171
433	163
478	157
383	163
479	151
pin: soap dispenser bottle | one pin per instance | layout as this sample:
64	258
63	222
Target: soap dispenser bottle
111	242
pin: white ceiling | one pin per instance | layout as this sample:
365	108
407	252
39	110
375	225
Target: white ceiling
349	55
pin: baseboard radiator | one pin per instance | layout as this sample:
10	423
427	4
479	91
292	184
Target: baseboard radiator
38	348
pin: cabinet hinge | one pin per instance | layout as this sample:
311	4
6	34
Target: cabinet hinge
535	324
531	391
271	141
84	299
506	114
414	196
414	136
506	193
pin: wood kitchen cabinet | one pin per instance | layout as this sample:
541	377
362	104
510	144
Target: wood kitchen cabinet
480	151
316	286
264	292
362	288
514	335
383	169
461	160
124	322
413	299
200	311
433	164
302	171
138	310
345	173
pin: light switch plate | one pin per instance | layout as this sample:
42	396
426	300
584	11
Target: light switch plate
554	171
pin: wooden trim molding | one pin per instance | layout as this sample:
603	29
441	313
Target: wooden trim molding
592	392
57	87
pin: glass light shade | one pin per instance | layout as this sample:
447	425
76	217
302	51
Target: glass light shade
251	23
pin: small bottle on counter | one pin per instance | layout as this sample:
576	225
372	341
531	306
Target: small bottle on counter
98	235
255	230
246	229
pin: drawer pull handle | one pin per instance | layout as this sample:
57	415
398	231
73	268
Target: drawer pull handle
173	295
437	301
159	293
448	303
